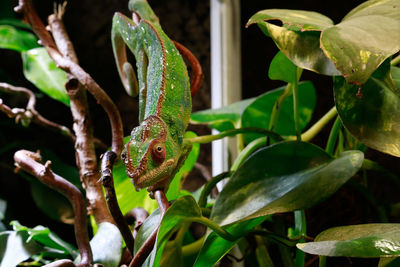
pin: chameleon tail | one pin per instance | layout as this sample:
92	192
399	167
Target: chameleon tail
143	9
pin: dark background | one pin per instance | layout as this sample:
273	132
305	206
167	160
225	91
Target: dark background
186	21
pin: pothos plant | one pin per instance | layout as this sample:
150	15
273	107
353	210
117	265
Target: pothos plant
277	170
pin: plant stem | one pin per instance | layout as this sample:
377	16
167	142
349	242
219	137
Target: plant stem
209	186
395	61
276	109
322	261
300	227
262	254
215	227
295	90
212	137
330	145
317	127
245	153
194	247
181	234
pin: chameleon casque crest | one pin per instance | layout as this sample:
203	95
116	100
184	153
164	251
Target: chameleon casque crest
155	151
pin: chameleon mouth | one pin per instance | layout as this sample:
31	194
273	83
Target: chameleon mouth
141	180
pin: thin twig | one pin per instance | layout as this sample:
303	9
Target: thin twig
29	162
29	113
107	163
148	246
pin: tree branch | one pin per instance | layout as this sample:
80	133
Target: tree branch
30	162
78	80
30	113
74	69
107	163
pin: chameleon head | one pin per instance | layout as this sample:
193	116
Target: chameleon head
149	156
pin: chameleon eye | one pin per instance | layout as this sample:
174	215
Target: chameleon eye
158	153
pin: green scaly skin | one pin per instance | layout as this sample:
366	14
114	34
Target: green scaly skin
156	150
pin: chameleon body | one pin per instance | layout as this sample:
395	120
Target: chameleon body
155	151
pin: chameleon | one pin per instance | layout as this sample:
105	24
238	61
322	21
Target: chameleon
156	149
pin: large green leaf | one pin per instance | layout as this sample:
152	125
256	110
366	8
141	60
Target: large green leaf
107	245
14	248
301	47
224	118
175	186
258	113
182	210
41	70
364	241
45	237
356	46
15	39
147	228
367	36
283	177
372	117
215	247
305	20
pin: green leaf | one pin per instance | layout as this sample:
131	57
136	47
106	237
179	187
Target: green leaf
281	68
395	71
224	118
305	20
107	245
361	241
147	228
128	197
283	177
215	247
172	255
14	248
389	262
3	207
182	210
258	113
40	70
357	46
175	186
43	235
15	39
16	23
302	48
376	27
372	116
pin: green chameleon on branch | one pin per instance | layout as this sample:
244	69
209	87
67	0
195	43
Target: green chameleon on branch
157	149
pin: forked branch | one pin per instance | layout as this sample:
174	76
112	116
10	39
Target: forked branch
30	162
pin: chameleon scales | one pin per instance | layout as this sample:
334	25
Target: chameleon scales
156	149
